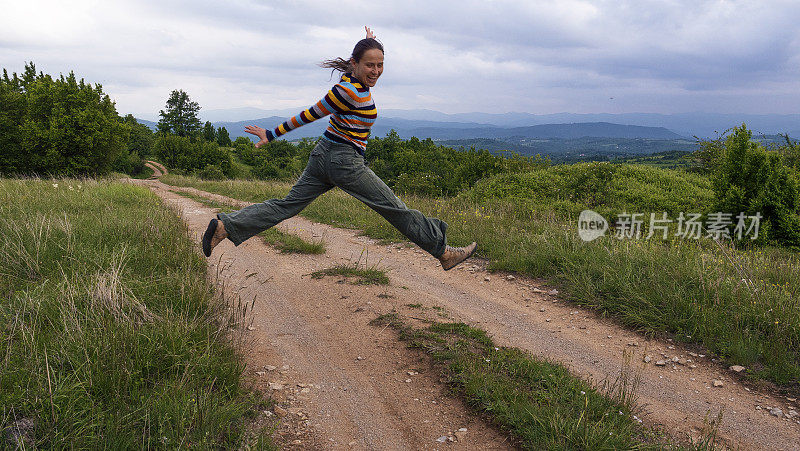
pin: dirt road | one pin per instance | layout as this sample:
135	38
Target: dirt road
158	169
353	391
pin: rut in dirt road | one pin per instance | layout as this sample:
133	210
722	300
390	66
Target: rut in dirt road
678	395
158	169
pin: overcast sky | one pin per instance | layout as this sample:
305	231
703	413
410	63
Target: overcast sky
452	56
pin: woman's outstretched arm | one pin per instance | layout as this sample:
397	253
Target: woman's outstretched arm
333	102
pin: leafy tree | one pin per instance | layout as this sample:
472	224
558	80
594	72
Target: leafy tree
139	145
141	137
57	125
243	141
13	109
180	117
223	138
209	134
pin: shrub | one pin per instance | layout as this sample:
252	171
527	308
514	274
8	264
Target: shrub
751	179
211	172
188	154
424	184
422	166
606	188
128	163
265	170
57	126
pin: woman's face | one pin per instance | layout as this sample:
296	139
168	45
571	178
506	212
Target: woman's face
369	67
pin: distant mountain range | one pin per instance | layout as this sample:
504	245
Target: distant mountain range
561	136
703	125
463	130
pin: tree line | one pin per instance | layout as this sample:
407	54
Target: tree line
61	126
64	126
186	146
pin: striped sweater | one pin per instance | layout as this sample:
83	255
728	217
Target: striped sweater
352	114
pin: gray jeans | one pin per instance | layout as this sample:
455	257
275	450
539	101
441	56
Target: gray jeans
332	164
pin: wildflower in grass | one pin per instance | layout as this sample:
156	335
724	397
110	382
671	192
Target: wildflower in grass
55	185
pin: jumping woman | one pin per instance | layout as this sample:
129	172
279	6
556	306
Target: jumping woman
338	160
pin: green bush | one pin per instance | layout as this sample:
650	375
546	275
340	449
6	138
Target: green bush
139	145
750	179
128	163
276	160
265	170
57	126
606	188
423	167
246	151
211	172
425	184
140	137
188	154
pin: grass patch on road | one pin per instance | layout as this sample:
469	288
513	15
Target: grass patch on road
358	276
112	337
741	304
211	203
285	243
538	402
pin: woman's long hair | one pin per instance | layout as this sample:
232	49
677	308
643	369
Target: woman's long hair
343	65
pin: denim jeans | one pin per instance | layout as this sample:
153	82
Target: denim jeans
333	164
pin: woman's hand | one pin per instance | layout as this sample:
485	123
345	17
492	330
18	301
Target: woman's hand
258	131
369	33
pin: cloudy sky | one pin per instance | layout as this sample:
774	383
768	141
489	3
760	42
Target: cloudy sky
453	56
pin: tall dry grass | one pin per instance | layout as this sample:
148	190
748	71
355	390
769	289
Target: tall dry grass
111	335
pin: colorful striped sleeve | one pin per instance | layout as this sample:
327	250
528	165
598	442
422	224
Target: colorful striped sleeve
333	102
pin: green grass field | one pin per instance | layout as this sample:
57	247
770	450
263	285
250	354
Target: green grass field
691	290
112	338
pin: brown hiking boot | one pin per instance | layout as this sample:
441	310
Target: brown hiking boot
215	233
452	256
